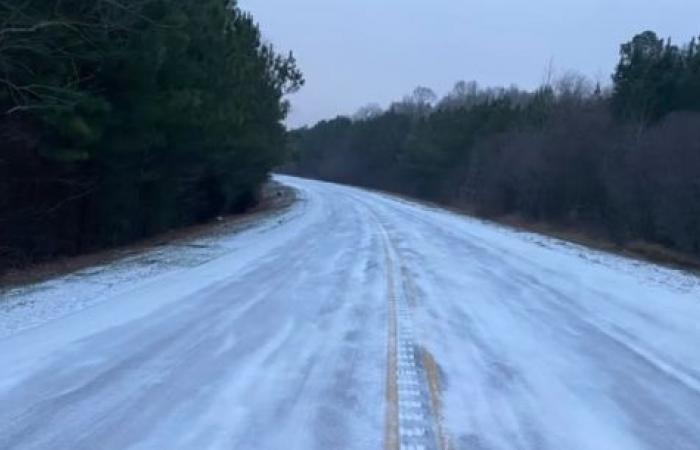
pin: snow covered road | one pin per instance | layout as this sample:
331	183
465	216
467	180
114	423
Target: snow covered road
355	320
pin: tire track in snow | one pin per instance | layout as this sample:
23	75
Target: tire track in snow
391	431
413	417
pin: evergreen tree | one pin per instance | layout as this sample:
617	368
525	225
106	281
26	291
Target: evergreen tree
132	116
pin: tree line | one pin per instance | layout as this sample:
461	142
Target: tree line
123	118
620	162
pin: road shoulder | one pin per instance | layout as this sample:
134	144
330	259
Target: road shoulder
51	291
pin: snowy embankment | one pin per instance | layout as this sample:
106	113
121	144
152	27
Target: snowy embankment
356	320
31	305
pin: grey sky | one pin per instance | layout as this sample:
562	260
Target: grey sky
355	52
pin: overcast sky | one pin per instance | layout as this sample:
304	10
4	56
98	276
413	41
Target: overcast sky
355	52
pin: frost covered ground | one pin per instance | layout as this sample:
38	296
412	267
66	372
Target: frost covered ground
358	321
32	305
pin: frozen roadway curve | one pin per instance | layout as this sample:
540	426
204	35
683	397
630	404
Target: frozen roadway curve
355	320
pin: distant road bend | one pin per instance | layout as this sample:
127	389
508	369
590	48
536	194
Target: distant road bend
361	321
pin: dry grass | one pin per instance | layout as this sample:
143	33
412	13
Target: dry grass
663	255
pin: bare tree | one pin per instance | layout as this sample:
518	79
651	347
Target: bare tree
573	87
368	112
418	104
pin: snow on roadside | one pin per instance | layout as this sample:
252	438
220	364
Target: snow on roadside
30	306
647	273
26	307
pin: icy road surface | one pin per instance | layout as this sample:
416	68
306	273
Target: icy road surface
358	321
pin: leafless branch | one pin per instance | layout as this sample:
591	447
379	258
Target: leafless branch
36	27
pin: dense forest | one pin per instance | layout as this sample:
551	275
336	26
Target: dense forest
123	118
618	162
